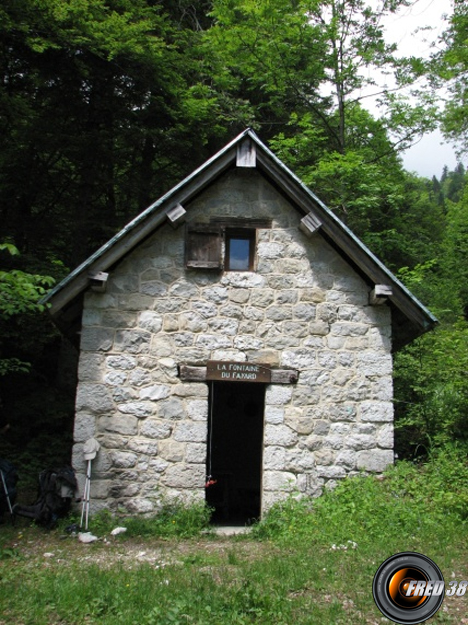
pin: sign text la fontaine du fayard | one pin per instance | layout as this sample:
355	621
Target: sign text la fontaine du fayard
227	371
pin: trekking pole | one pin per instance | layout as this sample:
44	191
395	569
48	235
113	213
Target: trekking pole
6	493
85	498
90	449
88	494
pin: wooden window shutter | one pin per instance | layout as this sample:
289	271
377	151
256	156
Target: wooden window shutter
203	249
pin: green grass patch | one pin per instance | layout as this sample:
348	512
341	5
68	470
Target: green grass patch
307	562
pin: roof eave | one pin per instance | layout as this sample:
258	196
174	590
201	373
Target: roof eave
146	222
141	226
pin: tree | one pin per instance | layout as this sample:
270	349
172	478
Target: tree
431	380
451	66
306	67
314	60
20	293
97	96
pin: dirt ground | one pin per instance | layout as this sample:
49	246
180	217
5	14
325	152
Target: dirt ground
63	548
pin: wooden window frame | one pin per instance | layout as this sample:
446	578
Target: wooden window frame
219	229
249	234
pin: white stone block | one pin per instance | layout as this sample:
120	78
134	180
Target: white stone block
243	279
216	294
213	341
280	435
376	411
132	341
191	432
141	446
150	321
302	358
298	460
331	472
84	427
274	458
123	459
274	415
152	428
139	506
123	362
279	481
270	250
119	424
140	410
385	436
155	392
192	322
197	409
374	363
140	377
115	378
195	452
204	309
185	476
277	395
247	342
172	451
376	460
224	326
361	441
94	398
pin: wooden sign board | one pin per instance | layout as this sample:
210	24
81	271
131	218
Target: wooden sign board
227	371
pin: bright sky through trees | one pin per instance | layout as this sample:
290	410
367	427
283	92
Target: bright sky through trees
415	30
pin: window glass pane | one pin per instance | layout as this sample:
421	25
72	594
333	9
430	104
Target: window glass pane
239	254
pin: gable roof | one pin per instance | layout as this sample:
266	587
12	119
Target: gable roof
410	318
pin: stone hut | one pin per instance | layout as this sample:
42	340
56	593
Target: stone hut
235	344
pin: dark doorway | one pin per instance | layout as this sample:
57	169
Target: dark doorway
235	443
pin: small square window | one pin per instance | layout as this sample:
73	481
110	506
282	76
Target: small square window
240	250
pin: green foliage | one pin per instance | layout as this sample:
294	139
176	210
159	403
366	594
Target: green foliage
431	381
451	65
431	386
10	553
410	500
20	293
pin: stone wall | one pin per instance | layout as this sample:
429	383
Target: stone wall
303	308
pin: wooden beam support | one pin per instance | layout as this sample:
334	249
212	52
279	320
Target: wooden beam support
310	224
246	154
380	294
192	374
188	373
98	281
176	215
284	376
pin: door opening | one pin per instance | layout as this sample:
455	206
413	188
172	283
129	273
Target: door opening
234	451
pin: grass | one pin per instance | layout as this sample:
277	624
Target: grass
304	564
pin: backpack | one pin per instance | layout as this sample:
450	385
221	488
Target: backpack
57	488
8	479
